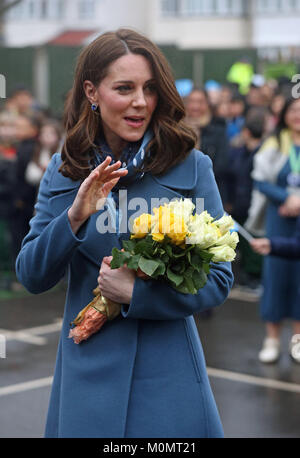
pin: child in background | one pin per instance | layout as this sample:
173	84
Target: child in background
49	142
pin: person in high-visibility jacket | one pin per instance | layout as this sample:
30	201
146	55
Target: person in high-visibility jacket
241	73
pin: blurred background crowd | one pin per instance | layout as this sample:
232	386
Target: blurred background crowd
234	84
28	139
231	124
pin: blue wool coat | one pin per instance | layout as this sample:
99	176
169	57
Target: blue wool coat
280	299
143	374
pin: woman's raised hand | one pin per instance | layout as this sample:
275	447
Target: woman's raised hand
93	192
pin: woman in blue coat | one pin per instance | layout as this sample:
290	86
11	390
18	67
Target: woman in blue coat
143	374
285	247
277	179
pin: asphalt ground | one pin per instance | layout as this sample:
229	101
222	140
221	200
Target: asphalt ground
254	400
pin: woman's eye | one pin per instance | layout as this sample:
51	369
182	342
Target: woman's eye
123	88
151	88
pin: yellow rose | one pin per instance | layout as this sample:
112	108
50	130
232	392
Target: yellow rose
165	222
141	226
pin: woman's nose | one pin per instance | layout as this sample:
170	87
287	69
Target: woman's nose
139	99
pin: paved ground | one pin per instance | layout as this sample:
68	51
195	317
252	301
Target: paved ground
254	400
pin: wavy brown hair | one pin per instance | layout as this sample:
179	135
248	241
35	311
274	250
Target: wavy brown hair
173	139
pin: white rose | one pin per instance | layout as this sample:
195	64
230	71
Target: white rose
222	253
224	224
204	235
234	240
228	239
182	208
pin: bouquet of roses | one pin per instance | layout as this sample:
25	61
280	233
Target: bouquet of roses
172	245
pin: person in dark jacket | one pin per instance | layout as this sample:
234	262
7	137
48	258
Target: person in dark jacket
240	186
23	194
211	133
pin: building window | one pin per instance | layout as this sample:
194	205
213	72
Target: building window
170	7
86	9
44	9
277	6
56	9
37	10
16	12
204	7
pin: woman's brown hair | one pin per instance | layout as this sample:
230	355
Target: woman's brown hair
172	141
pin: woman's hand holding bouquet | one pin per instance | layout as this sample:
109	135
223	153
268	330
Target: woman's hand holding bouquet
171	245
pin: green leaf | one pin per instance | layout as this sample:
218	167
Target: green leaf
149	266
133	262
176	267
204	254
160	270
165	258
199	279
119	258
189	257
183	288
129	245
196	261
168	249
206	268
174	278
189	282
189	272
144	247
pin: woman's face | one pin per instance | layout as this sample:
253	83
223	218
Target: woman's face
277	104
197	105
292	117
48	136
127	98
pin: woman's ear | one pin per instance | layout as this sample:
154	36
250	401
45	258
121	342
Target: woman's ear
90	91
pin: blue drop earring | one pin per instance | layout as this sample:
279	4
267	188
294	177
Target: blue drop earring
94	107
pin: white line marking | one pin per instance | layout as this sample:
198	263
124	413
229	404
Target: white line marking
218	373
23	336
30	335
239	294
252	380
19	387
